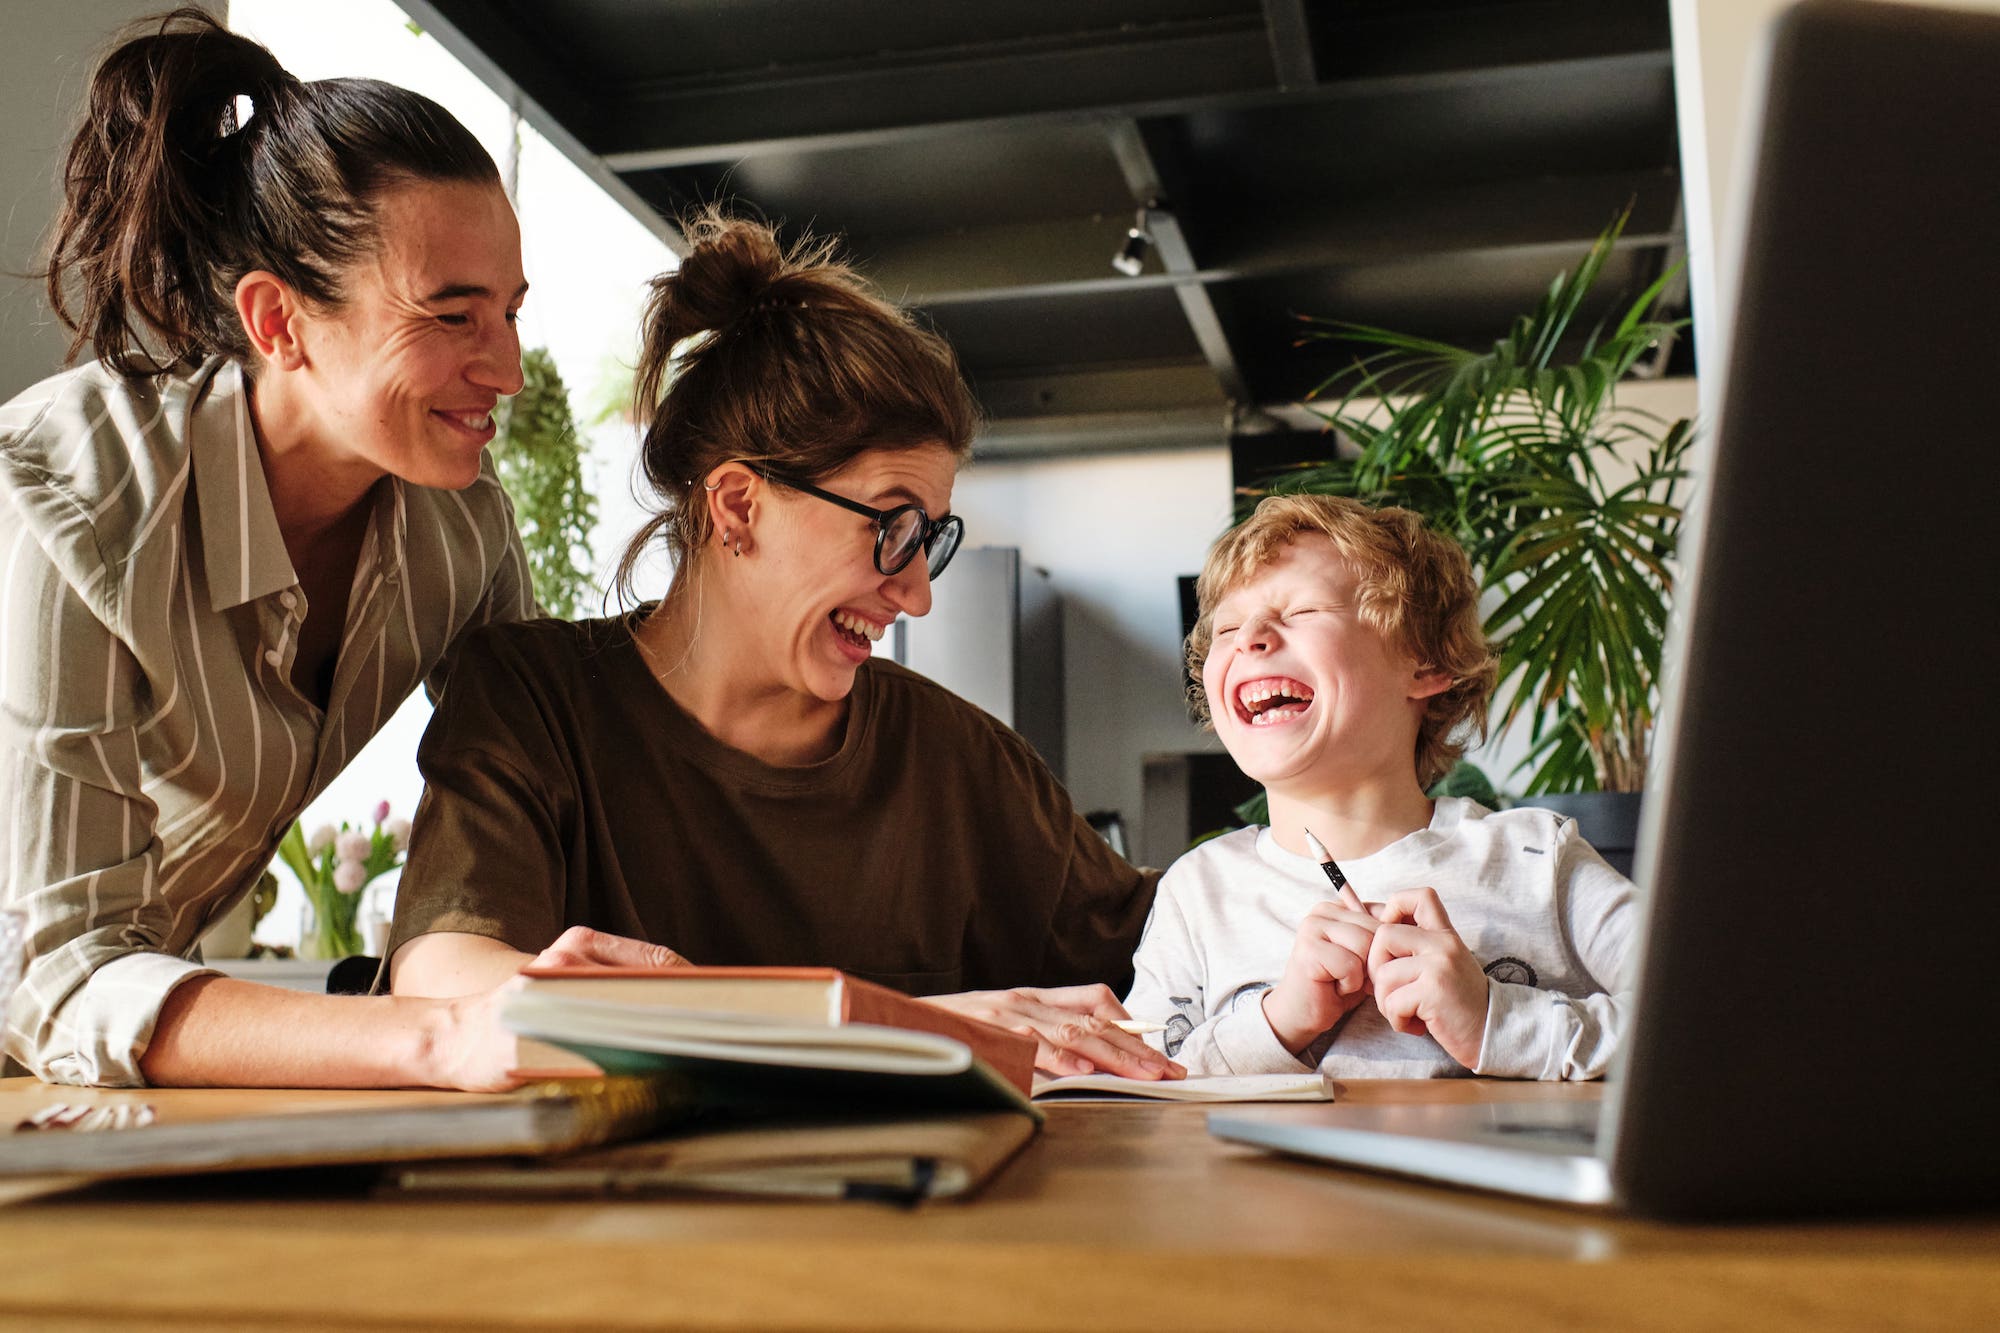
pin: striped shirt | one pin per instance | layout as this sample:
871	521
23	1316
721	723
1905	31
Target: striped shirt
153	749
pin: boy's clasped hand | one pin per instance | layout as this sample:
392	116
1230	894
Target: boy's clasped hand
1403	953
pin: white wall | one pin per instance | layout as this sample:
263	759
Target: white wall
1113	532
43	67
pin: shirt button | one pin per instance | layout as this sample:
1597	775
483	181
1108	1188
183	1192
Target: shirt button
288	601
274	657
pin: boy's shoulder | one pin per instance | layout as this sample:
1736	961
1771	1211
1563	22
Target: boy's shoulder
1518	833
1466	817
1223	848
1213	864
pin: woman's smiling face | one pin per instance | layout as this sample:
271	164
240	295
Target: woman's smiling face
818	600
1299	685
408	370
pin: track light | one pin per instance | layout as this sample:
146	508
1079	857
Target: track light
1131	257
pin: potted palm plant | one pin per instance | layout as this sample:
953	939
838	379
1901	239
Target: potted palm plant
1567	501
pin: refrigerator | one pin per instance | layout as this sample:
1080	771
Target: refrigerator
994	638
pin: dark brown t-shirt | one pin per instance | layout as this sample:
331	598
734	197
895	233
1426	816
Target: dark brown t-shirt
933	852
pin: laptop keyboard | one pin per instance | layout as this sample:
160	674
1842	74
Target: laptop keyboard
1580	1136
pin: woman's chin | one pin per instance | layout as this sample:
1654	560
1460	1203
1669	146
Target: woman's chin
831	681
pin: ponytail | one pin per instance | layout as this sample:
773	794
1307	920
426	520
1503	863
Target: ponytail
169	198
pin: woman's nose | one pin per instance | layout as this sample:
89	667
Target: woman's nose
909	588
497	366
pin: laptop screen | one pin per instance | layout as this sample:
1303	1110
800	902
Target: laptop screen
1817	972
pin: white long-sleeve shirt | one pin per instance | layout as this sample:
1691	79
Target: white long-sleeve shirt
1548	920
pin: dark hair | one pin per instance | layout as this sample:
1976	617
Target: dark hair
765	353
168	199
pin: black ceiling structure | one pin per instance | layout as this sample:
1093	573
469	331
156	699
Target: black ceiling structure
1423	165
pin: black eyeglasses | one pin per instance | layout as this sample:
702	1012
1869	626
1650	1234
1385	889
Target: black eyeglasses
899	533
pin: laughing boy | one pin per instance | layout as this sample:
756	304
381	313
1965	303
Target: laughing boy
1343	667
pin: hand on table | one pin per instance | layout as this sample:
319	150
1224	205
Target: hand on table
474	1052
1425	979
1073	1027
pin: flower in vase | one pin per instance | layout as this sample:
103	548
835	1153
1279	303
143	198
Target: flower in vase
333	868
399	834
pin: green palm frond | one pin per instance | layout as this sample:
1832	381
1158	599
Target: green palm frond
1567	502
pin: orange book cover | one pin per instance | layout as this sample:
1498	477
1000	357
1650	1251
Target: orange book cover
1010	1054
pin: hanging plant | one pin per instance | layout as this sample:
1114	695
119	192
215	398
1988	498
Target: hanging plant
540	461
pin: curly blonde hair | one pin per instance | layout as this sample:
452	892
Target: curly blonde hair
1417	590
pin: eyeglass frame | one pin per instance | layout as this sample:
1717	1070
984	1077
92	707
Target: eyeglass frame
925	540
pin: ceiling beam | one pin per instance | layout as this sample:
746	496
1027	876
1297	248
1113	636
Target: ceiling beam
541	96
725	123
1089	390
1101	432
1289	32
1072	256
681	122
1143	178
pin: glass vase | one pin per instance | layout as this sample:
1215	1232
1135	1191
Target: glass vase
329	931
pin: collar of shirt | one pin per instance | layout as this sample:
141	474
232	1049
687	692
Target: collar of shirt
242	544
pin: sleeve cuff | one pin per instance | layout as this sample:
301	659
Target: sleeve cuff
110	1019
1517	1033
1244	1040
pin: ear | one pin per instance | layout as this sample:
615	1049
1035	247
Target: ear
1429	682
269	310
732	491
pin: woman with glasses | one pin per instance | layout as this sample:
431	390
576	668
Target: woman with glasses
729	772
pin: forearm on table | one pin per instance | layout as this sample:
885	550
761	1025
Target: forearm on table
220	1032
447	963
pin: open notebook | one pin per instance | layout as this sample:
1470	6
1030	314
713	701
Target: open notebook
1312	1087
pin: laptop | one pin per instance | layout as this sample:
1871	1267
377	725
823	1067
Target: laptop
1816	1019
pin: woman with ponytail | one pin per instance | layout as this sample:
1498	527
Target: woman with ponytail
234	540
729	772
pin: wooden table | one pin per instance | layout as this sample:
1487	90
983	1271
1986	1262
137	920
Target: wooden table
1117	1217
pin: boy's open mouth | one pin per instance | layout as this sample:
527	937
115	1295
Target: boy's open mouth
856	630
1272	699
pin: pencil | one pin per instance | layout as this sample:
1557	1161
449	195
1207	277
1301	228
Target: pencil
1136	1026
1335	876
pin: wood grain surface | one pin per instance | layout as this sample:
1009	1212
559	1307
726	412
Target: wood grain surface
1117	1217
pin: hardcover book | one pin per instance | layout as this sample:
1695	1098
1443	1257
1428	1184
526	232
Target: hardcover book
768	1036
196	1130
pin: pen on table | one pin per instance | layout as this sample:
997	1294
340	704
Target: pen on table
1334	875
1137	1027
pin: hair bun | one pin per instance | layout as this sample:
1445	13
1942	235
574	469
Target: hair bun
733	271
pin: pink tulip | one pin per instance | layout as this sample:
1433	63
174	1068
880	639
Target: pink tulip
381	812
